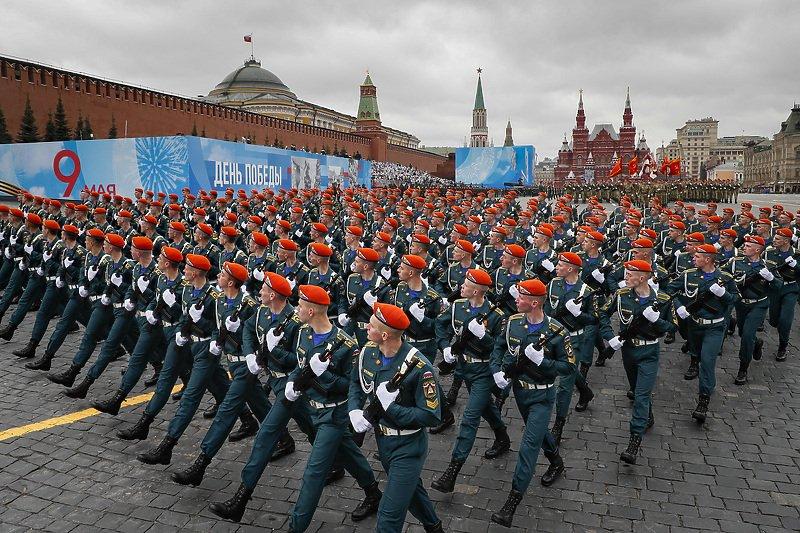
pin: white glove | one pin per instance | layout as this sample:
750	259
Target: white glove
232	325
616	343
417	311
386	273
298	233
536	356
424	280
513	291
214	348
653	284
105	300
766	274
252	366
318	366
169	297
370	298
258	274
357	420
39	271
622	284
599	276
791	261
390	250
328	239
21	266
67	261
442	240
717	246
408	238
28	248
384	396
272	339
651	314
142	283
573	308
570	233
289	392
92	272
353	266
794	237
116	279
548	265
59	283
343	320
717	289
13	239
180	340
128	305
151	317
270	228
676	253
682	312
529	238
8	253
477	246
500	380
477	328
195	313
46	256
447	353
82	292
292	282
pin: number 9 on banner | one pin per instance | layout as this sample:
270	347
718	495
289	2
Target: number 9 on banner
71	178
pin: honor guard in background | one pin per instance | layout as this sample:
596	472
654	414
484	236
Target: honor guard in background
26	263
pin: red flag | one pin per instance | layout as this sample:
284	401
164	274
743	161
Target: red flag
616	169
665	166
248	38
633	166
675	167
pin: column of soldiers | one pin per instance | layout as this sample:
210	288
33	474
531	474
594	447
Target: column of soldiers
667	191
343	310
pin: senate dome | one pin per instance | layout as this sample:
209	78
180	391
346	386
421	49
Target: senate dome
251	78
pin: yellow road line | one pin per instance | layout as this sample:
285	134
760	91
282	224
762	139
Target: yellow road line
63	420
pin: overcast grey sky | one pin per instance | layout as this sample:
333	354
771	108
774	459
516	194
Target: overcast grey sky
735	60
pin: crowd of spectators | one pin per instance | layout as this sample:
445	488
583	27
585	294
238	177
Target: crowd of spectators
385	174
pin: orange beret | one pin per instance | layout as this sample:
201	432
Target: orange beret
115	240
278	284
715	219
633	222
466	246
642	243
99	211
596	236
392	316
786	232
177	226
255	219
728	232
314	295
124	214
200	262
479	277
199	211
706	249
515	250
229	231
96	233
205	228
288	244
81	207
17	212
637	265
571	258
532	287
500	229
231	216
355	230
235	270
52	225
415	261
35	219
72	230
150	219
368	254
259	238
418	237
383	236
321	249
460	228
172	254
677	224
320	227
544	230
755	238
765	221
696	237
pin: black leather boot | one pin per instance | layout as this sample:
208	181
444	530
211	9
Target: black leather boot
139	430
651	420
584	369
336	473
283	447
80	390
445	368
694	369
43	363
161	454
247	428
501	444
630	453
554	471
731	331
781	355
26	352
435	528
741	377
585	395
631	395
448	419
685	347
505	516
194	474
67	377
152	380
604	355
447	481
369	505
701	410
178	395
211	412
669	338
7	333
111	405
558	429
758	349
233	509
452	394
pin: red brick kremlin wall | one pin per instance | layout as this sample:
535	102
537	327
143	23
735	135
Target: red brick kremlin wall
152	113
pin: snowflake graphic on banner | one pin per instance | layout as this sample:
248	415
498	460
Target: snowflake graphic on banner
162	162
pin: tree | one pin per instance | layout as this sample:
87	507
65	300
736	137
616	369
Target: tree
194	129
203	133
78	128
112	133
60	121
87	129
50	129
28	131
5	137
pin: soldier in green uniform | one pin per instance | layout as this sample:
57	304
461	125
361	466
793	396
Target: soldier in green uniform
506	277
782	301
541	259
27	280
14	274
489	256
258	261
472	325
532	352
360	295
639	343
323	275
289	266
404	415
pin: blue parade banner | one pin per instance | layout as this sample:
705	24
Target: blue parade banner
495	167
168	164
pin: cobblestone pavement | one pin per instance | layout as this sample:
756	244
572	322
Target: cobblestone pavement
738	472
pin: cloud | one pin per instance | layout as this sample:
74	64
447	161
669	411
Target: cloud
731	59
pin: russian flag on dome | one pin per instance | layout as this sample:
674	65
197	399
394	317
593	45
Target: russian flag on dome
248	38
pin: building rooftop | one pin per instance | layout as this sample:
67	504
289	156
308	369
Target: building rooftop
607	127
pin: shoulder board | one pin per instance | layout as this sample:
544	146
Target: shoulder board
370	344
662	296
432	293
499	311
516	316
769	248
295	318
184	283
459	300
348	340
555	325
690	270
624	290
248	300
420	364
215	293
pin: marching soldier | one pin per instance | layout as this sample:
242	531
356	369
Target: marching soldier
360	296
540	259
782	301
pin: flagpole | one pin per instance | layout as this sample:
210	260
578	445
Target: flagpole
252	52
